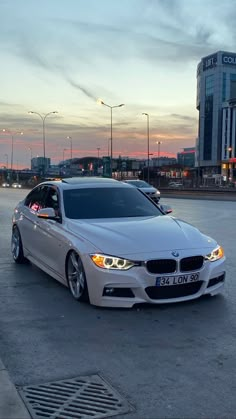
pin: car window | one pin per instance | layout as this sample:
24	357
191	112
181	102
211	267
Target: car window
36	198
107	203
52	198
139	183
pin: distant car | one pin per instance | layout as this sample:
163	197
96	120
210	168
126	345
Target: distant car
5	185
112	246
149	190
175	184
16	185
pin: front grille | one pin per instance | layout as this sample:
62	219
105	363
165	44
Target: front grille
173	291
161	266
191	263
217	280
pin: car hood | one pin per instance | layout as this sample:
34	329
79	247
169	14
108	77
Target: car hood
142	235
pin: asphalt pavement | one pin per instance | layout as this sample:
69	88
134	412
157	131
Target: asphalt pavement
168	361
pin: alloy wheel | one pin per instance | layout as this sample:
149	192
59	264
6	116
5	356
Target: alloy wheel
15	243
76	277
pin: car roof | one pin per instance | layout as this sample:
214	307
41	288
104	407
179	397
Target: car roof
83	182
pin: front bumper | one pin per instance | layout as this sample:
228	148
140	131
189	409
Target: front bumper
137	285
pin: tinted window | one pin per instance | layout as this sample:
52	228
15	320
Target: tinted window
107	203
36	199
139	183
52	198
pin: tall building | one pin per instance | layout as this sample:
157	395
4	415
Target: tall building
186	157
216	103
40	164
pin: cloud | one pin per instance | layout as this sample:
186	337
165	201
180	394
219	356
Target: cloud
82	89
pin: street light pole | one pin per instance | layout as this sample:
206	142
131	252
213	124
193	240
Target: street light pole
70	138
98	149
12	143
111	108
158	157
6	155
31	156
158	151
64	150
12	150
148	153
43	118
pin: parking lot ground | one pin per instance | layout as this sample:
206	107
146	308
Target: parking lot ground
167	361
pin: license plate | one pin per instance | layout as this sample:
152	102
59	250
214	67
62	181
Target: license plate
164	281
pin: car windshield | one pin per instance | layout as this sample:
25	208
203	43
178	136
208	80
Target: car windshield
89	203
139	183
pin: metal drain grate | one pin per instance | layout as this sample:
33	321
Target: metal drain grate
77	398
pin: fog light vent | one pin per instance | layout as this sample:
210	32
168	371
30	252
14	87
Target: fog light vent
118	292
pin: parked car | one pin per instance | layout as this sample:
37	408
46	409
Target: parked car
175	184
16	185
5	185
112	246
149	190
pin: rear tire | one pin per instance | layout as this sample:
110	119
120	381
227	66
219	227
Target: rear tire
17	247
76	277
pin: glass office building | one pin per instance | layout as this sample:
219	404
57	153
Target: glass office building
216	103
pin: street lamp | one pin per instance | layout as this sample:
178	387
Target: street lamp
6	155
12	142
148	154
111	108
158	155
70	138
98	149
158	151
64	150
43	118
31	156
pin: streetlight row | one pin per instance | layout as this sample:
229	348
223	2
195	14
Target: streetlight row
43	118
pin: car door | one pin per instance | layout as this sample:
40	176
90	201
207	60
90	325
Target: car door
28	220
51	243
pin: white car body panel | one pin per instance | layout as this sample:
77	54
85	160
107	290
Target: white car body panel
127	237
47	243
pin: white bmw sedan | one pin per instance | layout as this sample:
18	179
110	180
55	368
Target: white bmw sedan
112	246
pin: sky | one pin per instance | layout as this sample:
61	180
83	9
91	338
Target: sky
63	55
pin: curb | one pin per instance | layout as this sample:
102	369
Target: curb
11	405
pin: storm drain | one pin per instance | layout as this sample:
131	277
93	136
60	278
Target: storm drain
82	397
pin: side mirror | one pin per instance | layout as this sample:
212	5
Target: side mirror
166	209
47	214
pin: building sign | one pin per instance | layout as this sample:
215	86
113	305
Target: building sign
229	59
209	62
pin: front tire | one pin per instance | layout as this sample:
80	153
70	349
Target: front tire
76	277
17	247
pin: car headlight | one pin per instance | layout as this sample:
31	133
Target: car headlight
112	262
216	254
